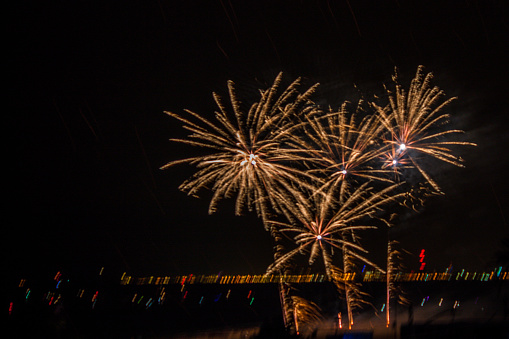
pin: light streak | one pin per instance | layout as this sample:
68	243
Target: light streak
94	297
149	303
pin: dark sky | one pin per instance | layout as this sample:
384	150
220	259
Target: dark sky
85	131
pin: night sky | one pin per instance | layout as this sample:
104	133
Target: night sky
86	134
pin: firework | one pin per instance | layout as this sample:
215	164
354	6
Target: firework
411	118
324	225
284	156
321	224
340	147
246	156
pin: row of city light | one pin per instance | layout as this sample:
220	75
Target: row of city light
54	297
444	276
369	276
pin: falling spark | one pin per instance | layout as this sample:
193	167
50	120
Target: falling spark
306	313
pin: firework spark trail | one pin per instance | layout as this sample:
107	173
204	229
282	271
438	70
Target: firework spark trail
354	297
390	280
409	119
247	159
306	314
393	289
